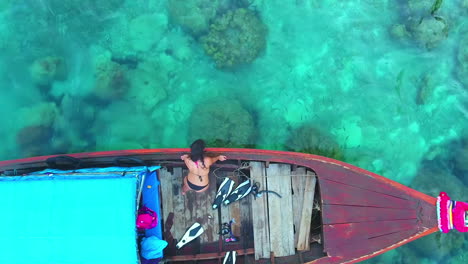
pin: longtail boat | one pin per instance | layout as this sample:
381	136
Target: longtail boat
312	209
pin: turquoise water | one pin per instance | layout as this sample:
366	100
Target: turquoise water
380	84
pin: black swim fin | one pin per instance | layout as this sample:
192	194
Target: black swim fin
224	190
193	232
230	257
240	192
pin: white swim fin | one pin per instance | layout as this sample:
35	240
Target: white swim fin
224	190
240	192
193	232
230	257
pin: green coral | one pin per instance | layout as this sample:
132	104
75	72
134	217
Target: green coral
235	38
222	122
308	139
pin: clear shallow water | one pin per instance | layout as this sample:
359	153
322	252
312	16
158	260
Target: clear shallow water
380	84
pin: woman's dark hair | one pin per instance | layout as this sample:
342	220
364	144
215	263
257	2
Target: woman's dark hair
197	150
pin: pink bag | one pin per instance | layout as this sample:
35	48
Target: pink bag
146	219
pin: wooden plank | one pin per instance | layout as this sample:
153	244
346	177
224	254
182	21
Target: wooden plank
225	210
206	256
298	185
369	246
167	208
245	224
341	234
333	192
306	217
280	213
426	214
260	215
343	175
341	214
166	193
360	253
198	209
180	224
232	211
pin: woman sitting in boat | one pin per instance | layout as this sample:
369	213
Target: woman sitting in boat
199	167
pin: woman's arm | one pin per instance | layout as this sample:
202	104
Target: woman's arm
219	157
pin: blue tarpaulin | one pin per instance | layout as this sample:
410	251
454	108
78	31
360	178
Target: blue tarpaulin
153	245
68	219
151	200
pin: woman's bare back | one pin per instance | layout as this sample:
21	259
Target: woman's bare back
199	171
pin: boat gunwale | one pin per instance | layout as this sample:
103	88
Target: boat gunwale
296	158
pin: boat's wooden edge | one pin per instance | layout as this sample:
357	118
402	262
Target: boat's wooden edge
344	260
300	159
206	256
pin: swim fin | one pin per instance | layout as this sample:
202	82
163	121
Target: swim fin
193	232
240	192
230	257
224	190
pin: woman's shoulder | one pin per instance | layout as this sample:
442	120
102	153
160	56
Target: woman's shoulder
208	160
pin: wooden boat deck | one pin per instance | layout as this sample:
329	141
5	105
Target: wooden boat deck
268	226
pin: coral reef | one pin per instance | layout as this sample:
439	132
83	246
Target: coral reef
34	140
193	16
425	88
40	114
308	139
111	81
429	31
72	126
72	13
438	248
91	7
222	122
46	70
36	129
422	24
134	130
39	27
399	31
146	30
235	38
148	85
177	44
420	7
